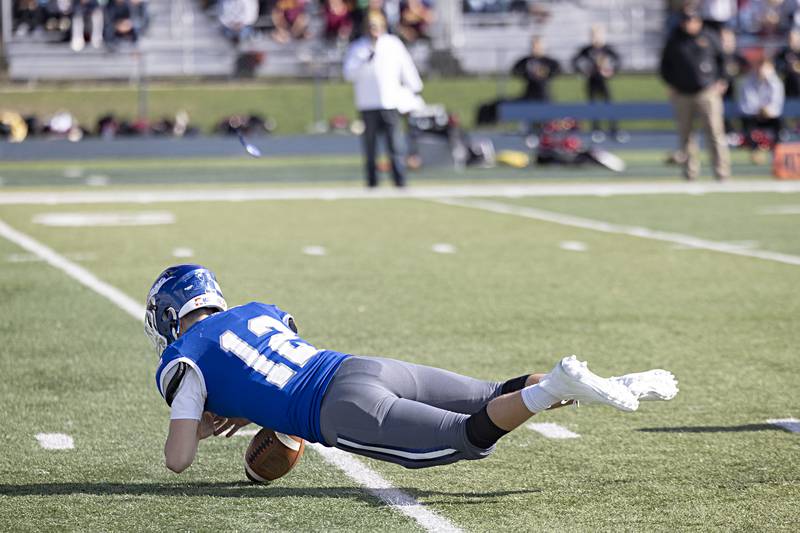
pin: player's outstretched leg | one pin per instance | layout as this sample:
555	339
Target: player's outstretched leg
571	379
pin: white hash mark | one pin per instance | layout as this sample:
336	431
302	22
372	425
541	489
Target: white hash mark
182	252
443	248
55	441
552	431
573	246
315	250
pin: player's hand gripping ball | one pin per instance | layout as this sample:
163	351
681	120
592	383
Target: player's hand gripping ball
271	455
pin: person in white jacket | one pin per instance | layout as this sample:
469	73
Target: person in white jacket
761	98
385	83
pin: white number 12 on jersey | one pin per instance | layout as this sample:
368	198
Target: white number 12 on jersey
284	342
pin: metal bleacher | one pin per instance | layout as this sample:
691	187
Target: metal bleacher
181	41
185	41
489	43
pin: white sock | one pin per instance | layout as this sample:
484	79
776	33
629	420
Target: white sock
536	399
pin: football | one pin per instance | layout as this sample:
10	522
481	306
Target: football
271	455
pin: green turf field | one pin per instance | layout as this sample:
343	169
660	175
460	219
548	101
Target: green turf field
510	299
303	170
290	104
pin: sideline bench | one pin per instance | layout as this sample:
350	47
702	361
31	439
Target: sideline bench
522	111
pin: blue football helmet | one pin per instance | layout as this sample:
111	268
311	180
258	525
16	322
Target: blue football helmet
178	291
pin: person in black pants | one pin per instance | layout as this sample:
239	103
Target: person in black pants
598	62
787	64
384	80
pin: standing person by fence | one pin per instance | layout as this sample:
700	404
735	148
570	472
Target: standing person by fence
692	64
598	63
384	77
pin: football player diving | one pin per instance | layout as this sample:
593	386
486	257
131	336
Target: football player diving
221	369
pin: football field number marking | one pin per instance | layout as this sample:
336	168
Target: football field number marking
352	467
552	431
55	441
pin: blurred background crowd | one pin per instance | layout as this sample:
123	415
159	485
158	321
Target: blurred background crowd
535	41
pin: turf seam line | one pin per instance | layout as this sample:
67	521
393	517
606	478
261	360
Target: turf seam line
152	196
620	229
371	481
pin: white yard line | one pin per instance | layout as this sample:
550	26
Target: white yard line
55	441
789	424
379	487
608	227
552	431
359	193
372	482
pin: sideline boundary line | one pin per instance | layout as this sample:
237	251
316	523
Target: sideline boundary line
152	196
607	227
372	482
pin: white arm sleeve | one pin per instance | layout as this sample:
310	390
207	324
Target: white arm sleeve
189	401
409	75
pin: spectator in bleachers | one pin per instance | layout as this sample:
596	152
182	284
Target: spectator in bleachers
140	15
87	24
58	17
28	17
761	98
767	17
787	63
735	66
536	69
717	14
290	20
692	64
119	23
597	62
237	18
338	20
416	16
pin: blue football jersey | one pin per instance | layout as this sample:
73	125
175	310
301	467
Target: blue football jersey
254	366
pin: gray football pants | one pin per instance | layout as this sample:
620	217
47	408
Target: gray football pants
403	413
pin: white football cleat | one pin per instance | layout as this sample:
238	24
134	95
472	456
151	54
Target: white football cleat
570	379
656	384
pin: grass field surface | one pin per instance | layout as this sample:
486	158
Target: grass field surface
290	104
511	297
329	169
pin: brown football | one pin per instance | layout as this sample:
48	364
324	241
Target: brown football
271	455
